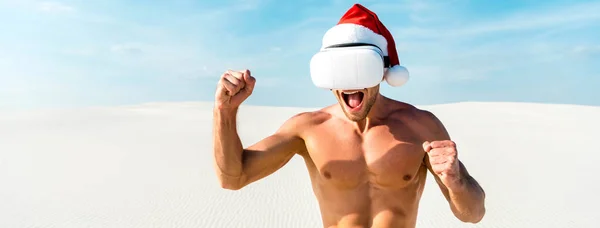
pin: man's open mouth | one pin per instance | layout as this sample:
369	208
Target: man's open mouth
353	99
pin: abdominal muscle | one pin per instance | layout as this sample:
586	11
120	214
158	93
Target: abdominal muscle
369	205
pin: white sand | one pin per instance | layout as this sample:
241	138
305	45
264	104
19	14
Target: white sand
150	166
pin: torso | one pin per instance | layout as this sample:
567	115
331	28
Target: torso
365	179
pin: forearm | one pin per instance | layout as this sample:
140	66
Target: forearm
468	200
227	147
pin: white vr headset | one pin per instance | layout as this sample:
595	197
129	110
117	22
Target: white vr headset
348	66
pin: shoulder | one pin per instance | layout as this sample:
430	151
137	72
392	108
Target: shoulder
421	119
433	124
427	117
305	120
411	111
406	111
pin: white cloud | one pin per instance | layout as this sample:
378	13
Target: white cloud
435	40
54	7
81	51
586	50
168	60
557	17
527	39
418	11
270	81
566	16
245	5
130	48
234	9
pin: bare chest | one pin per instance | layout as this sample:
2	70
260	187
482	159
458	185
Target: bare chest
381	158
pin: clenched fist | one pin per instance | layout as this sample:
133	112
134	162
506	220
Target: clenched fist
444	162
233	88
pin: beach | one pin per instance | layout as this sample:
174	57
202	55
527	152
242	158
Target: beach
150	165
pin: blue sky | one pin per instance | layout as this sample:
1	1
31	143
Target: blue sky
66	53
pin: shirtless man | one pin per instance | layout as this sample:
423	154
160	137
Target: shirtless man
367	156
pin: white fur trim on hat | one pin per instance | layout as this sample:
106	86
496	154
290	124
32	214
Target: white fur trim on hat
396	76
353	33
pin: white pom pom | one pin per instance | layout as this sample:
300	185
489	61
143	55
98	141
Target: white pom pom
396	76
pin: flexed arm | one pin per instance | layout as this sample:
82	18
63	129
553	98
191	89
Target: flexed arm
236	166
464	194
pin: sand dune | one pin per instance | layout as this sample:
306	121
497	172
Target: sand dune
150	166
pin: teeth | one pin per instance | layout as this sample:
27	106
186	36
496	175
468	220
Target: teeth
350	92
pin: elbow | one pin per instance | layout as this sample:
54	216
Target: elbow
474	217
472	212
230	186
230	183
479	216
473	220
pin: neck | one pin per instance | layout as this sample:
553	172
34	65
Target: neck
375	114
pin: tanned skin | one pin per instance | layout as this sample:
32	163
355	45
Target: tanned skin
367	167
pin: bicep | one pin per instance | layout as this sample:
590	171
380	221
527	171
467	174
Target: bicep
271	153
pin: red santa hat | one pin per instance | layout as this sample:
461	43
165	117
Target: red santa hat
360	25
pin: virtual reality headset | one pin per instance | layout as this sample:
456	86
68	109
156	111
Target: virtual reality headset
348	66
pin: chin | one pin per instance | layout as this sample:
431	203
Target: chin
354	117
354	103
354	114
